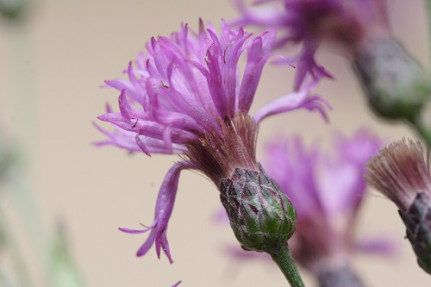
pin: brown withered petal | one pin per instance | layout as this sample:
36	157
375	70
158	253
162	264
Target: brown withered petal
400	171
218	156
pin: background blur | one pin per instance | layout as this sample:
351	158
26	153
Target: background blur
51	68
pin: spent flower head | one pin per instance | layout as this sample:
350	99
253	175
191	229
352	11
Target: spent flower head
186	95
402	173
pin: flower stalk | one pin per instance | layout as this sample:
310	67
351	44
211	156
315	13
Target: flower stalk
8	242
422	125
284	260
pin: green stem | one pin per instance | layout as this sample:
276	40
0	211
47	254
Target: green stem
23	102
20	268
423	129
284	260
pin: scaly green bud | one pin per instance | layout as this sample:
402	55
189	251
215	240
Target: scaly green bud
418	223
261	216
395	83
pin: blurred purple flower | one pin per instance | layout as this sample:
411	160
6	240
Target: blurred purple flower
327	191
310	23
185	95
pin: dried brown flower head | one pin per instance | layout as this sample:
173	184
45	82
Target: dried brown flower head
400	171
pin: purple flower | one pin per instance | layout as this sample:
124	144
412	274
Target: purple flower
310	23
327	191
186	95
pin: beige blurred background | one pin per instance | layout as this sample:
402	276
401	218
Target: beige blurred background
68	48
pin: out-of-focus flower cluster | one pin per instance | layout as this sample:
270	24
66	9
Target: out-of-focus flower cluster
327	190
311	23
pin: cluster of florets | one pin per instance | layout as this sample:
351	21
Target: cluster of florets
185	96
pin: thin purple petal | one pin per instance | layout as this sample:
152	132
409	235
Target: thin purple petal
293	101
164	208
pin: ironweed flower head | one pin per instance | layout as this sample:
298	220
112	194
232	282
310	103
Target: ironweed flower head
310	23
402	173
186	95
327	192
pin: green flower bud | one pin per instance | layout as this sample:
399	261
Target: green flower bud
395	84
261	216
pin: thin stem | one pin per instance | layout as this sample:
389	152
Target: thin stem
284	260
20	268
422	129
23	97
